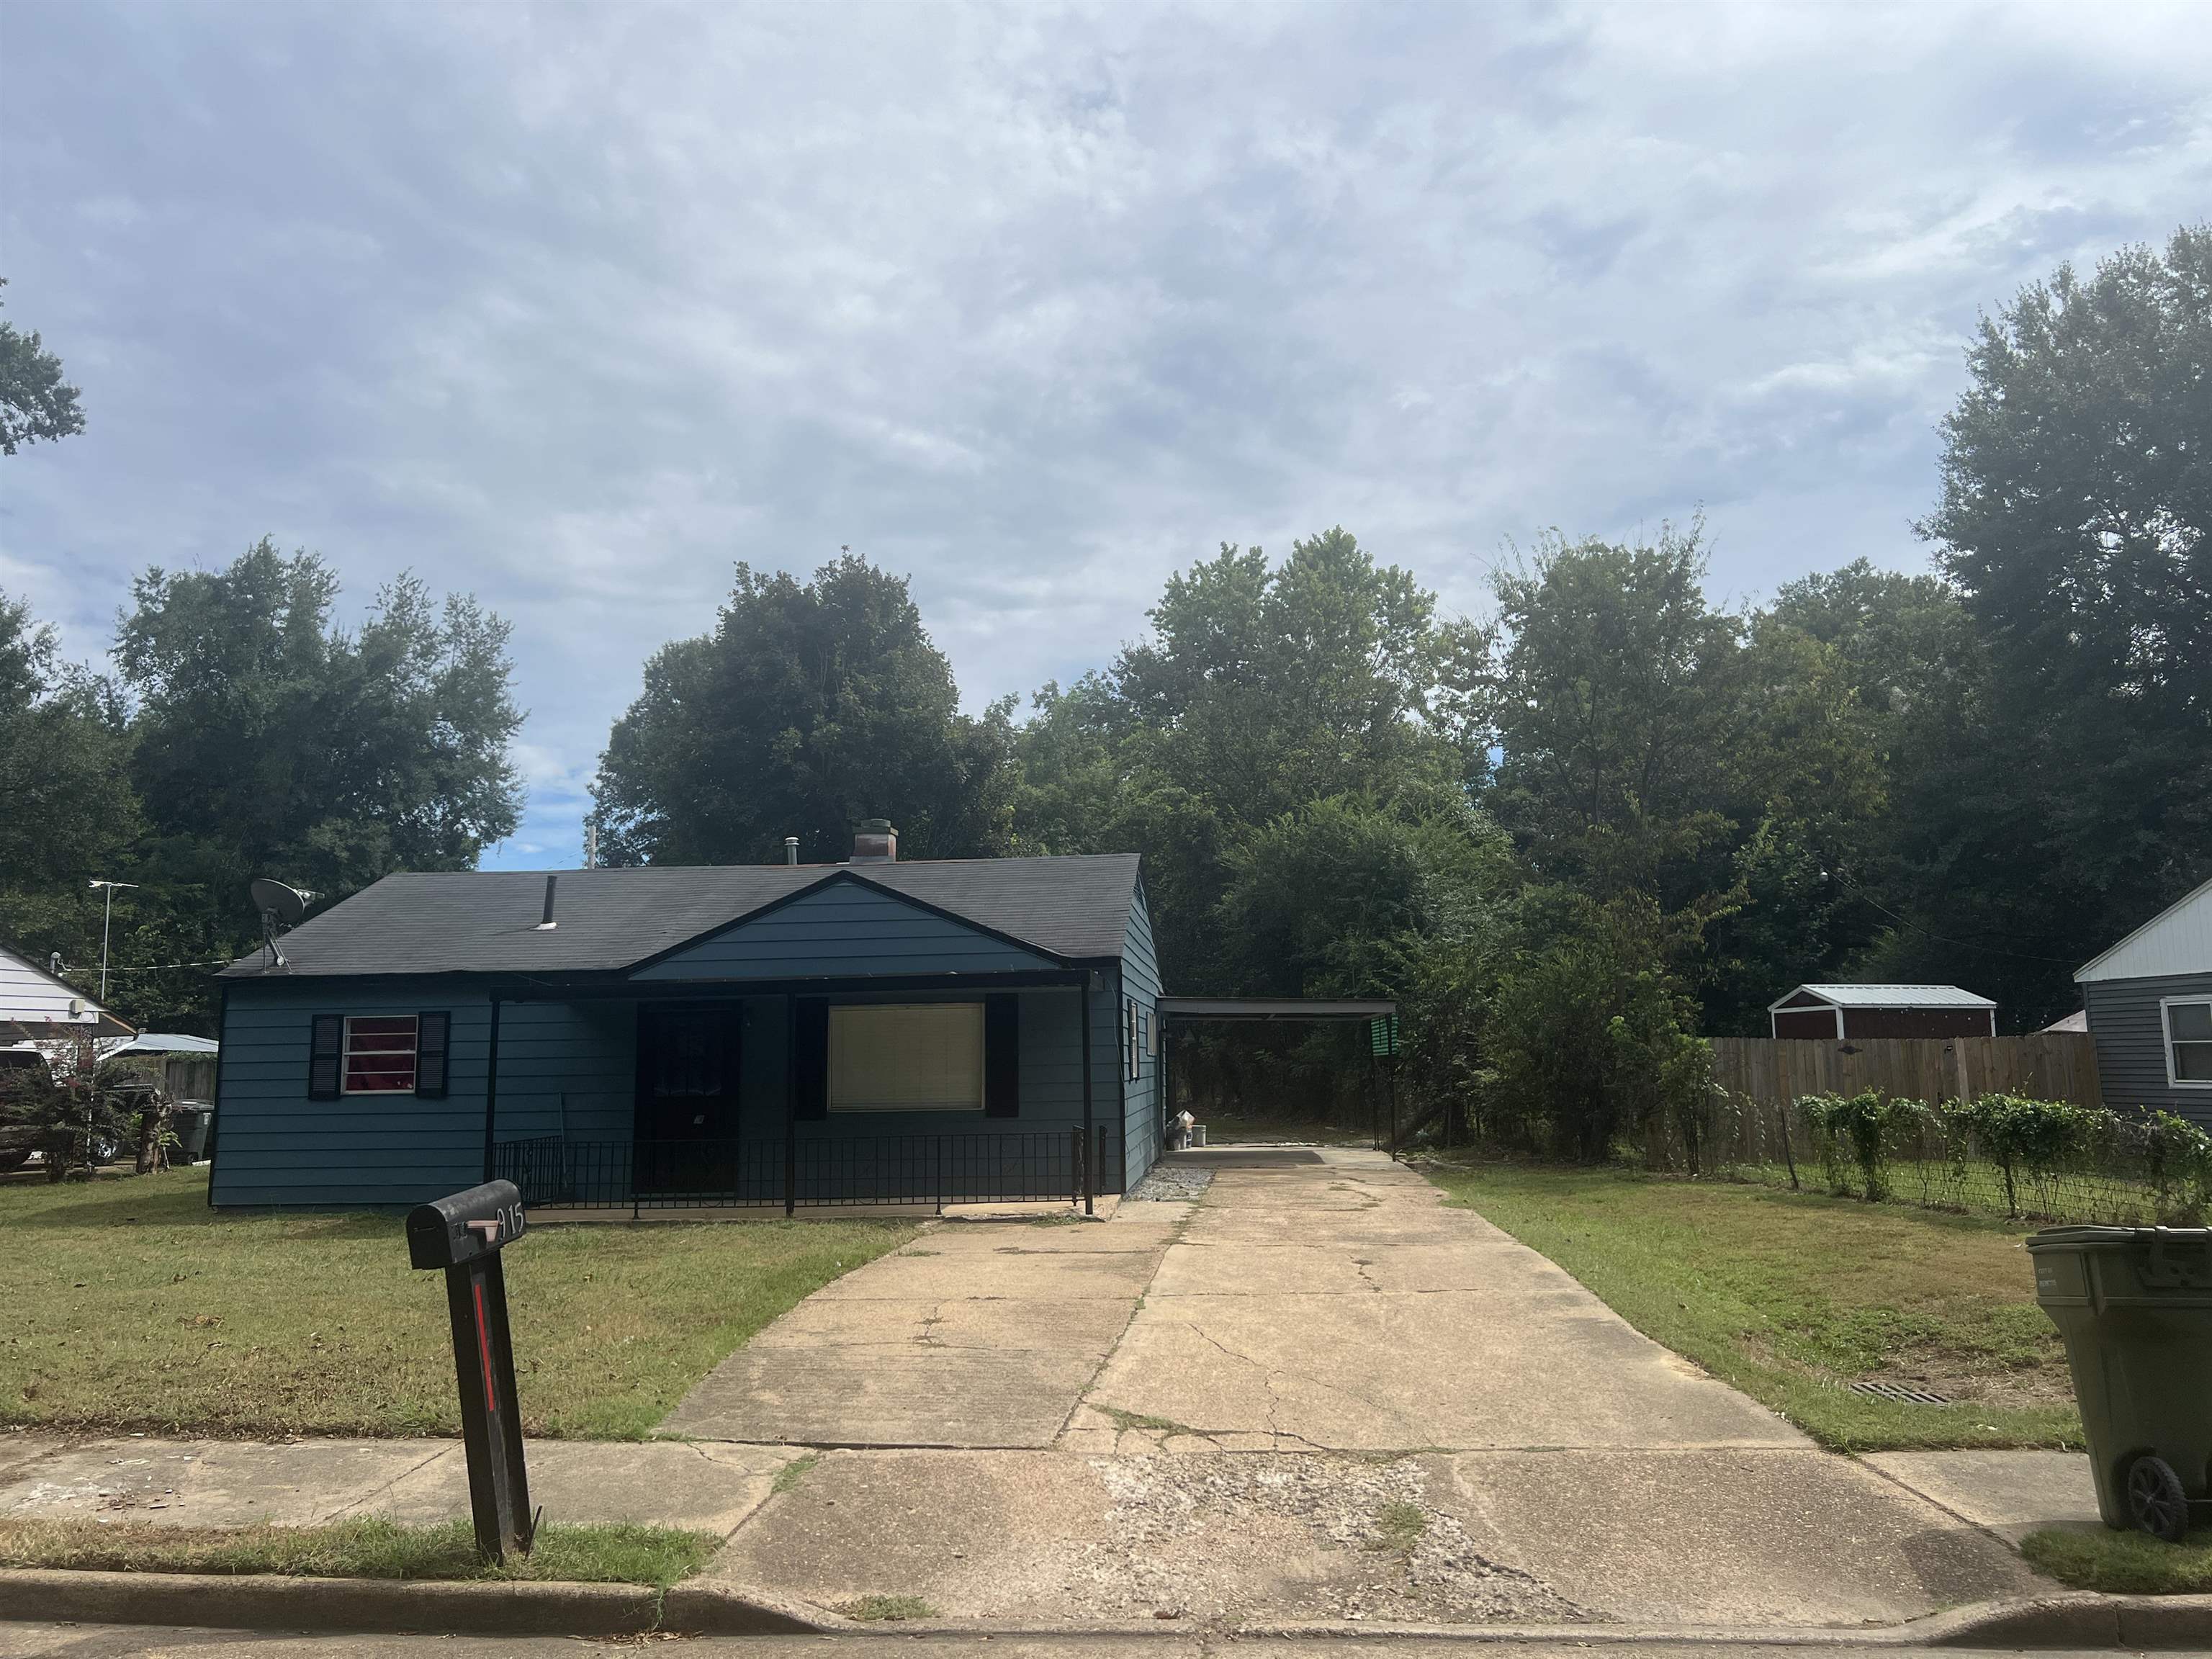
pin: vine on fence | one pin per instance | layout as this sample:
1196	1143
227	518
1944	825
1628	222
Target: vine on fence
2050	1160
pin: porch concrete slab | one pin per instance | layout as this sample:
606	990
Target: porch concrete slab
2013	1493
1757	1538
1049	1539
211	1483
699	1487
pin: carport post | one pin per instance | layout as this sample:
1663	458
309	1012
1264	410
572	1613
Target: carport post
1090	1203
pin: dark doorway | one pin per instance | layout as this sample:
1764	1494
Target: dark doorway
686	1121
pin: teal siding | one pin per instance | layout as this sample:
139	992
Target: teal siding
1141	979
273	1145
843	929
567	1068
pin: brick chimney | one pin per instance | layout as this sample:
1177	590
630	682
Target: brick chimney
875	842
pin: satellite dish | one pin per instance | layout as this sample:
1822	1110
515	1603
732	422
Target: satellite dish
280	907
288	905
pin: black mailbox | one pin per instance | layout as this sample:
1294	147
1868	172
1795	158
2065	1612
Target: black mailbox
464	1235
452	1232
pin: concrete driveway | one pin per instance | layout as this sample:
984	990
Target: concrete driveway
1318	1395
976	1335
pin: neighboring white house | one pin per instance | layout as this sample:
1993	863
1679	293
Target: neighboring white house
36	1007
2149	1003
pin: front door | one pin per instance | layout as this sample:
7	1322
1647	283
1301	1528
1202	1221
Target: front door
687	1098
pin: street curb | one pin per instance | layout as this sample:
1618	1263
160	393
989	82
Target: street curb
376	1605
64	1594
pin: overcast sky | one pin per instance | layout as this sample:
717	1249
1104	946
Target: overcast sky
574	308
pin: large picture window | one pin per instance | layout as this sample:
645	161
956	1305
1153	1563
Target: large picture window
906	1057
2189	1041
380	1054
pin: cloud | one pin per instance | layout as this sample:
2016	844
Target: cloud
574	307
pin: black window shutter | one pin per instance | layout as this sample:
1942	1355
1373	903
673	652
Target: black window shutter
430	1033
324	1057
810	1065
1002	1056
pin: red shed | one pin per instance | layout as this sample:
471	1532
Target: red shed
1882	1010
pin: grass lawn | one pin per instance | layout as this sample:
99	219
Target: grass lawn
2123	1562
366	1548
1792	1296
131	1305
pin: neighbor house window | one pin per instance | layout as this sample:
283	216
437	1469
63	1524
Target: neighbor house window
2188	1042
906	1057
380	1054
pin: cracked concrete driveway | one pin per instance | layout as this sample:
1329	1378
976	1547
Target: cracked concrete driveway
1321	1393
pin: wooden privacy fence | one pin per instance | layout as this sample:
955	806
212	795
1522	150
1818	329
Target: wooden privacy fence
2044	1066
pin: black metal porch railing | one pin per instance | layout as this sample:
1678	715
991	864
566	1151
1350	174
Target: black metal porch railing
554	1171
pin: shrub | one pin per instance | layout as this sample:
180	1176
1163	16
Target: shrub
2037	1137
1865	1130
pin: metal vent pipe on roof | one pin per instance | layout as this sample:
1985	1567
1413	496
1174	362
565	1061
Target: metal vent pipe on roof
791	849
547	923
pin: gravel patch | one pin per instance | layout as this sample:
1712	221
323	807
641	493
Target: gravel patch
1348	1538
1173	1182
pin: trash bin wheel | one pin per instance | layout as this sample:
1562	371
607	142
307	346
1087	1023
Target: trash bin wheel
2156	1502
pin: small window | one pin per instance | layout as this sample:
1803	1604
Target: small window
906	1057
380	1054
2189	1043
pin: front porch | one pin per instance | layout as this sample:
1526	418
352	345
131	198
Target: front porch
918	1093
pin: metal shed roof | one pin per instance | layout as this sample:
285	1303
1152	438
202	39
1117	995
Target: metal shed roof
1886	996
485	921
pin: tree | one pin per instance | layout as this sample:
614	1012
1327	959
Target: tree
810	707
271	742
35	402
69	813
2075	520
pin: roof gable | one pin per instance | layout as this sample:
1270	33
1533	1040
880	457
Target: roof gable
844	927
2177	940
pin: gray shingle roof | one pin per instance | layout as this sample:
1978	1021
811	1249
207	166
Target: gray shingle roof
485	921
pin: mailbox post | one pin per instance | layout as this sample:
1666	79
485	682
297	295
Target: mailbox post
464	1235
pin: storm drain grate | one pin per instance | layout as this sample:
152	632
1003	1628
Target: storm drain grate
1898	1391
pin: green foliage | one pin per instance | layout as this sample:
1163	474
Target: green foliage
1863	1131
71	1113
245	735
35	403
810	707
2075	796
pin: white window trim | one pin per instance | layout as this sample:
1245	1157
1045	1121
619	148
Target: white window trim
413	1051
2166	1041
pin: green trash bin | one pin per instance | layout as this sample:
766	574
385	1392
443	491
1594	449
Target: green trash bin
2135	1305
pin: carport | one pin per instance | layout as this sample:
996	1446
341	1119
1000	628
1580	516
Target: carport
1380	1014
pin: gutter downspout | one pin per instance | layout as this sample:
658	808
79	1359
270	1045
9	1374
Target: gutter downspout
491	1088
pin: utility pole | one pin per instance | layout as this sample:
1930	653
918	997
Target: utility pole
106	918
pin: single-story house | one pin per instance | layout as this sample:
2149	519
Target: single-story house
1840	1011
2149	1003
872	1031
